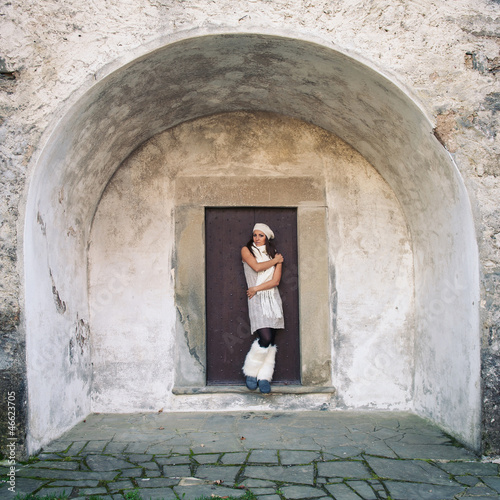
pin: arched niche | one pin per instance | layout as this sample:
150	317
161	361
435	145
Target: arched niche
220	73
354	275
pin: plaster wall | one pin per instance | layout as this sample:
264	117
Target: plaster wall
243	159
131	292
76	102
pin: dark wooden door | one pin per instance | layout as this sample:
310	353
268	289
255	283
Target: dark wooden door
229	337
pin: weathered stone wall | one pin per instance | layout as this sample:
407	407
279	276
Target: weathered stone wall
446	54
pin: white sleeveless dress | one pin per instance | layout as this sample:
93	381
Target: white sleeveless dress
255	310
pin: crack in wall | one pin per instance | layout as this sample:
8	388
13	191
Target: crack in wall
60	304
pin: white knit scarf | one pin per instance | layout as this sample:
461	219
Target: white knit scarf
270	306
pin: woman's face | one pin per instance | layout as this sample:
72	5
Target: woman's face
259	238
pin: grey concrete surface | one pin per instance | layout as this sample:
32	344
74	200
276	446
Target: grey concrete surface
275	456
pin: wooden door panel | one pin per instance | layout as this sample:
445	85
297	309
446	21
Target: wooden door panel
228	326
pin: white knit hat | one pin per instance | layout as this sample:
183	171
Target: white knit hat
265	229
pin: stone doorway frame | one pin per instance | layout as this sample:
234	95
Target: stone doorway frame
192	195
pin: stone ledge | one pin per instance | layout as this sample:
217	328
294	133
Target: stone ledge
240	389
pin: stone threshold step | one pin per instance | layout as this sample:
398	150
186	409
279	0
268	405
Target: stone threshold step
240	389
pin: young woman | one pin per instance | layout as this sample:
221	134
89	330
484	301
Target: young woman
263	267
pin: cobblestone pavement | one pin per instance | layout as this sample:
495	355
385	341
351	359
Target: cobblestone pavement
292	455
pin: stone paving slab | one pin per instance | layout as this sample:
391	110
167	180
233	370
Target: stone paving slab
53	492
404	450
177	471
481	490
98	463
95	447
158	494
157	482
174	460
363	489
471	468
213	458
149	466
405	491
341	490
63	474
276	456
93	491
344	452
234	458
23	487
301	474
226	474
298	457
467	480
137	472
64	465
207	491
293	492
349	469
264	456
408	470
261	492
492	482
70	483
467	497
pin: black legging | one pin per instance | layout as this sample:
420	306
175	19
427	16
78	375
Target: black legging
266	336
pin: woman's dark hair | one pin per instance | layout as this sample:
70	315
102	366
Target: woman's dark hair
270	248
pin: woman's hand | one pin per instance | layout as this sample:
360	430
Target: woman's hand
251	291
279	258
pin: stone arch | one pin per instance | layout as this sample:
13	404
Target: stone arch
200	76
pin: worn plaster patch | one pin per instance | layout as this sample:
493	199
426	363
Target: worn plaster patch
445	130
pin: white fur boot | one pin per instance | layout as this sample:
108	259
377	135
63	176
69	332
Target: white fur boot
254	360
266	371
